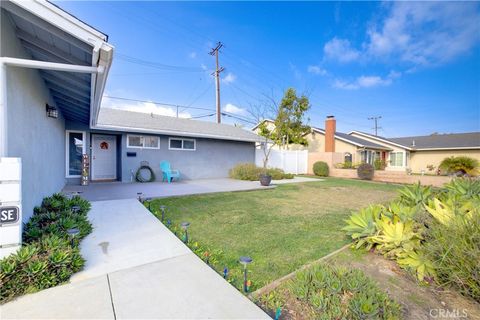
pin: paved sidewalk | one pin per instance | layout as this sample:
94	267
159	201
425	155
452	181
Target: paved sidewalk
119	190
136	269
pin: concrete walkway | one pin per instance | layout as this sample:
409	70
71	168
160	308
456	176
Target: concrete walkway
119	190
136	269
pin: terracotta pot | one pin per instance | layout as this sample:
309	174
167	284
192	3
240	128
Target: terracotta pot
265	180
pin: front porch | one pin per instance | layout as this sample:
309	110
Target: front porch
118	190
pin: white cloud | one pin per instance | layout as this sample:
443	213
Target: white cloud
341	50
231	108
229	78
146	107
367	81
428	33
192	55
204	67
317	70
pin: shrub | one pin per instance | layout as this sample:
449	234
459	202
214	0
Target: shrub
279	174
333	293
47	257
245	171
365	171
461	164
454	249
379	164
320	168
249	171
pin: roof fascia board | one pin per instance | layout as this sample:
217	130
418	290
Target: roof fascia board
264	120
340	138
380	140
451	148
172	133
62	20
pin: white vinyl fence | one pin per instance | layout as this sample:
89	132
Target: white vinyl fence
290	161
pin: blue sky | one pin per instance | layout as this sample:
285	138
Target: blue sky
415	64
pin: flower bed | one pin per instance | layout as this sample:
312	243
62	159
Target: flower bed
434	233
48	256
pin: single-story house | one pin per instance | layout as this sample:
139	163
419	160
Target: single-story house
417	154
53	73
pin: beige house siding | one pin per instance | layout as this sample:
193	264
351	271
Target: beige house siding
419	160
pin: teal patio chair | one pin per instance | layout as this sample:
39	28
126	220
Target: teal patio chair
168	173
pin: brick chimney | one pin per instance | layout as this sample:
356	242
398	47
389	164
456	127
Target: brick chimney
330	128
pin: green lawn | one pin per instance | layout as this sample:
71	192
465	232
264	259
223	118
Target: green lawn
281	229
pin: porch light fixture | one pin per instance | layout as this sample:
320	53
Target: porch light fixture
72	233
185	226
245	261
52	112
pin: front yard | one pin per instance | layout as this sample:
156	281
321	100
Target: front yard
281	229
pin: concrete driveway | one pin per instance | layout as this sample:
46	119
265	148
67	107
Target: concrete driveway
119	190
136	269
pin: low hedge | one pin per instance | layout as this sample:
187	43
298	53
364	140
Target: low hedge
250	172
320	168
47	257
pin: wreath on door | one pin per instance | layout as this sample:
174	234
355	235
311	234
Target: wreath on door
145	173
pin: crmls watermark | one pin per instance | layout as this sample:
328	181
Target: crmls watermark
448	314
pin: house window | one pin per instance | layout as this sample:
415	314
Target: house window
143	142
181	144
75	148
396	159
367	156
348	157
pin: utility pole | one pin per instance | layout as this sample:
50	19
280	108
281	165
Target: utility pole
216	73
376	123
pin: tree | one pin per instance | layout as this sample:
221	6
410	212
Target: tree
289	126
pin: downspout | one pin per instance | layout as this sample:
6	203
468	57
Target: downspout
32	64
3	109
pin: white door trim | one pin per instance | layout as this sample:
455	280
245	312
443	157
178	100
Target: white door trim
67	151
93	156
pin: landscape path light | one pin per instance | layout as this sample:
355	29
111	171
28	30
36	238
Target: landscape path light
163	208
139	196
73	233
149	203
245	261
75	209
185	226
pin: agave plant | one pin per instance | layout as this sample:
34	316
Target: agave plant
450	211
395	236
465	187
403	212
418	262
415	194
362	224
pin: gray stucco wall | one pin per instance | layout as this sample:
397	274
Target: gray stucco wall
32	136
211	159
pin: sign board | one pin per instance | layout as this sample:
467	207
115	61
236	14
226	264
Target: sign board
10	205
9	215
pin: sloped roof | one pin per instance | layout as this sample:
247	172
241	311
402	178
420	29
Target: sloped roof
441	141
355	140
129	121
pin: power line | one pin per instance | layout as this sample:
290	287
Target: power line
159	103
158	65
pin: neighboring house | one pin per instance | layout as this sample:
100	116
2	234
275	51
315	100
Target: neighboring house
53	73
414	153
419	152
